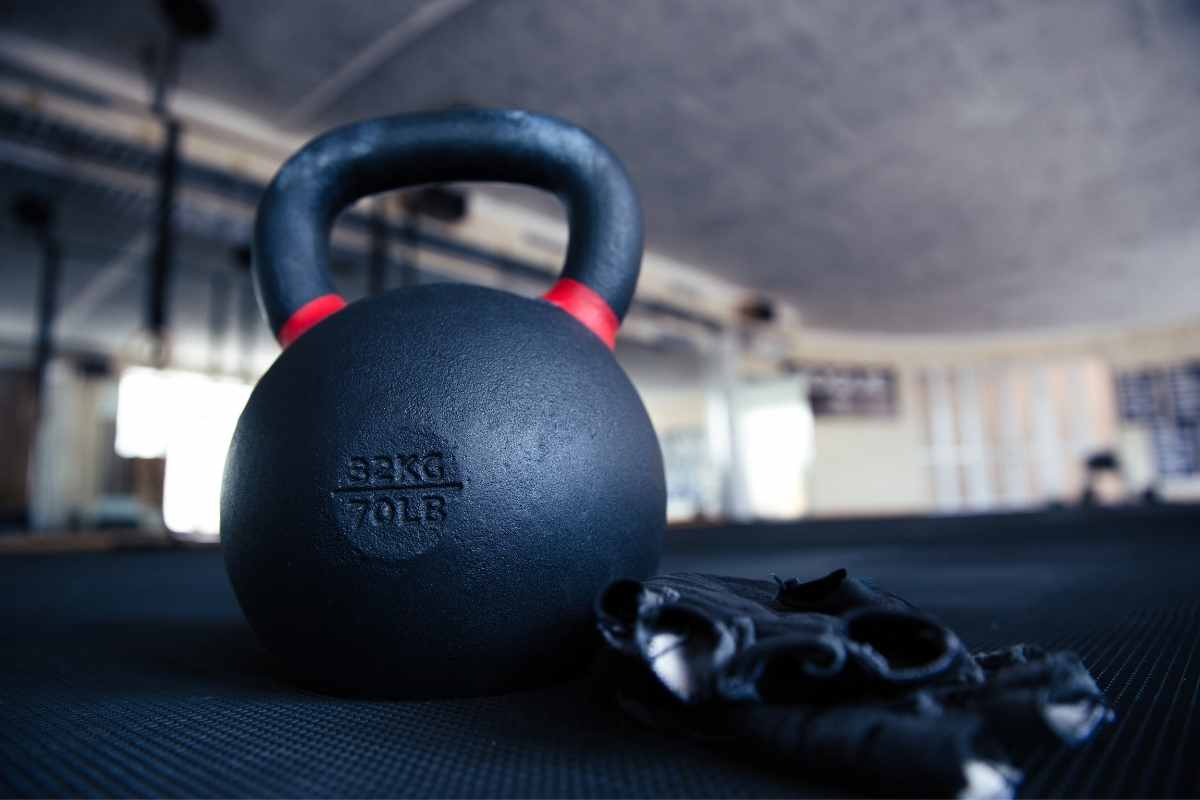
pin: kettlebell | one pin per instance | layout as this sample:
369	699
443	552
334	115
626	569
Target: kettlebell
428	487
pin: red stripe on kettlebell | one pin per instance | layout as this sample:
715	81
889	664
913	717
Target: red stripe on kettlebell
587	306
308	315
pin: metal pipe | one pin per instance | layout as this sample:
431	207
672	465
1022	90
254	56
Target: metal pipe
409	269
35	214
158	307
218	319
47	307
377	262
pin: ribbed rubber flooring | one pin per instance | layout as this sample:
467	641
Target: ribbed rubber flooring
132	674
1146	664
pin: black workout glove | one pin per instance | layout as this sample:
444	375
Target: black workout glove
839	680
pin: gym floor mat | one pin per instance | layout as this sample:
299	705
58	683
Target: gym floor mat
133	673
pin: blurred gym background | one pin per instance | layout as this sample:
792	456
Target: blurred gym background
904	258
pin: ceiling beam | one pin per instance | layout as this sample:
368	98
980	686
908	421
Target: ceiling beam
122	88
326	93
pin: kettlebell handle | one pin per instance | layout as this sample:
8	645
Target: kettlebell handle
297	211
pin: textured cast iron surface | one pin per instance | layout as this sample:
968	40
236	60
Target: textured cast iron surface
134	674
426	491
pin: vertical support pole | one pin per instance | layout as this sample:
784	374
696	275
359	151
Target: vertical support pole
1012	434
724	430
378	256
47	306
408	265
249	325
157	307
35	213
218	320
248	322
1080	421
1048	444
974	441
943	449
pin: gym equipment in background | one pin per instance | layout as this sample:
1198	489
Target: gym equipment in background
428	487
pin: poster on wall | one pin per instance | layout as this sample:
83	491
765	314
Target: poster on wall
1184	385
1175	449
849	391
1167	400
1140	395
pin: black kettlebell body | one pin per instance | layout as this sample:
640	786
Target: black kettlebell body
428	487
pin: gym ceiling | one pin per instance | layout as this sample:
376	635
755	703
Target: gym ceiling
920	167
